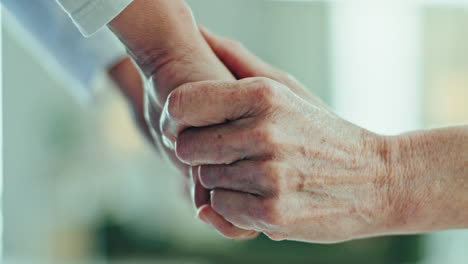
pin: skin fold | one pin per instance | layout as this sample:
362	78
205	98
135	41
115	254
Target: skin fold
264	155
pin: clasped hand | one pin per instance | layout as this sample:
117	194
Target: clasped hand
267	156
275	162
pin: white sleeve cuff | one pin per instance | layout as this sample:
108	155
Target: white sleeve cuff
92	15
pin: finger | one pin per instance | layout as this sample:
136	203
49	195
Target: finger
241	209
214	102
209	216
243	176
237	58
152	113
221	144
128	79
243	64
200	194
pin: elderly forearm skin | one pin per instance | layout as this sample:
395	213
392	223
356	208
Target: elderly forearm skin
430	177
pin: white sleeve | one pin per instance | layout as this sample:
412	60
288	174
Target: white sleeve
92	15
51	36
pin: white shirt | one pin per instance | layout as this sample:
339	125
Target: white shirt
50	34
92	15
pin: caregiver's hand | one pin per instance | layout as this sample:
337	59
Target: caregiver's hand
277	163
306	174
180	56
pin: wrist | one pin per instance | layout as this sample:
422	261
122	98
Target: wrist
155	31
426	187
164	40
401	178
128	80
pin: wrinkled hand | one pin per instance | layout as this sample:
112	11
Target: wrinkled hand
277	163
242	64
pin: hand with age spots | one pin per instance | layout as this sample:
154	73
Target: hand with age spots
242	64
267	156
277	163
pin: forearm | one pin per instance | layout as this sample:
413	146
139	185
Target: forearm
128	80
430	174
164	40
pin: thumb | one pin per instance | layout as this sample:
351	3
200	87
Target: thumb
243	64
240	61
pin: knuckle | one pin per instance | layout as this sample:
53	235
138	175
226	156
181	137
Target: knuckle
266	137
271	214
264	89
270	172
269	169
262	134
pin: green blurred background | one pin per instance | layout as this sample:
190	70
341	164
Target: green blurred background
81	185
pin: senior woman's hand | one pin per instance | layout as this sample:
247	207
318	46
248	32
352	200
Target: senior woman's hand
279	164
286	166
274	157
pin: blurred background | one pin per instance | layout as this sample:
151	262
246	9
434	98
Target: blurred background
81	185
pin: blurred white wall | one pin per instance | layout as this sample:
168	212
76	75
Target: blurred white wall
377	64
67	165
293	36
